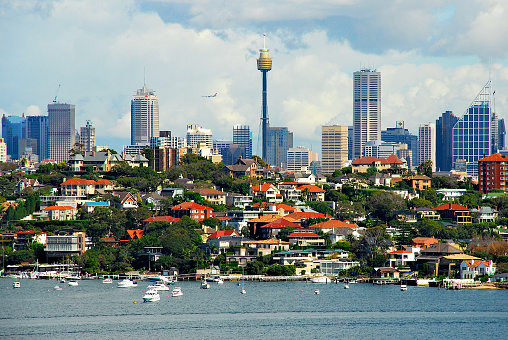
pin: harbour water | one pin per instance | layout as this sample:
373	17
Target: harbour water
275	310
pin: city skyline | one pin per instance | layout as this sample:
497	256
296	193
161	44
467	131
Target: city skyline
428	70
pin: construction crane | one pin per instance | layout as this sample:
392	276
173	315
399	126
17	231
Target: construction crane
56	94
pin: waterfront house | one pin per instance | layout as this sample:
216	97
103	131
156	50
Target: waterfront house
403	257
64	244
387	273
25	238
273	228
61	213
472	269
255	224
484	214
305	237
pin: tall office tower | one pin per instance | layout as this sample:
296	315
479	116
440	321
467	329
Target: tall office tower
197	134
144	116
501	133
444	129
399	134
427	144
350	134
61	131
87	136
37	128
279	140
472	133
243	136
494	135
334	148
264	65
380	149
3	150
366	109
406	154
13	129
298	159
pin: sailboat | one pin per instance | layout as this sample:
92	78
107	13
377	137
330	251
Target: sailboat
243	290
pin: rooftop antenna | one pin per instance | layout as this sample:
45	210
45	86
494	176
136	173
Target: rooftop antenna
56	94
144	76
264	40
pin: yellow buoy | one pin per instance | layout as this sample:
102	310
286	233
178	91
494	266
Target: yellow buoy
135	302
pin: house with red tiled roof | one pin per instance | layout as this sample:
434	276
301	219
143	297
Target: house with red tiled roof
311	192
110	241
455	212
133	234
305	237
403	257
222	233
266	191
392	163
211	195
195	211
473	268
303	215
82	187
61	213
167	219
423	242
273	228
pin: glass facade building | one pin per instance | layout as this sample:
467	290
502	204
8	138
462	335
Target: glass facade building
61	131
280	139
243	136
472	133
13	129
144	116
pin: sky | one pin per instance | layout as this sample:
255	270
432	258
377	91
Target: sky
433	56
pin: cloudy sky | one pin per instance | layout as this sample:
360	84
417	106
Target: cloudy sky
433	56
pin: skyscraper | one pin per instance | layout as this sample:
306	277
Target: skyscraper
37	128
366	109
13	129
61	131
87	136
426	144
279	140
350	136
298	159
144	116
242	136
334	148
472	133
264	65
197	134
444	130
399	134
501	132
3	150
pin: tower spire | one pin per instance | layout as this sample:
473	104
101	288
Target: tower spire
264	65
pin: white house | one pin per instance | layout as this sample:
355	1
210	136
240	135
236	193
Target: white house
473	268
451	194
485	214
403	257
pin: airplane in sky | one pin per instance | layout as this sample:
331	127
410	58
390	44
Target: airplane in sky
210	96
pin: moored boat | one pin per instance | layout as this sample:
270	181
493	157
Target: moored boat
16	284
107	281
177	291
73	283
205	285
151	296
321	279
57	288
316	292
126	283
159	286
403	288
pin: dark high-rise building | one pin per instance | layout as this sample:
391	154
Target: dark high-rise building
501	133
264	65
350	136
444	130
279	140
242	136
37	128
61	131
13	129
399	134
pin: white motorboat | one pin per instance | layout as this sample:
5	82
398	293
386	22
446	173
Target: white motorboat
151	296
159	278
213	279
63	280
158	286
177	291
57	288
403	288
243	279
107	281
321	279
205	285
316	292
346	286
74	277
220	281
16	284
16	276
126	283
72	283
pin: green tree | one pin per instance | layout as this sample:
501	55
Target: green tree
382	204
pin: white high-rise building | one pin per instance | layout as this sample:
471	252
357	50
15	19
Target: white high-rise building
3	150
334	148
144	116
366	109
87	136
299	159
427	144
197	134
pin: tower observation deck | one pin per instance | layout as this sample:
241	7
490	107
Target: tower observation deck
264	65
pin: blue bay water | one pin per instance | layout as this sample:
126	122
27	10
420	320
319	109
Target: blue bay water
282	310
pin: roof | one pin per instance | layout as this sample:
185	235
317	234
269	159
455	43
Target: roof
222	233
496	157
392	159
333	224
97	204
135	233
79	181
418	177
476	263
161	219
270	218
61	208
262	188
425	240
269	241
400	252
281	222
311	188
207	191
441	248
304	215
451	206
302	234
190	206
